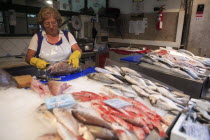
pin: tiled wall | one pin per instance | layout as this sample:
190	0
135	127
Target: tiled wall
13	46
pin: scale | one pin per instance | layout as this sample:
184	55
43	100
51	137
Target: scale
74	24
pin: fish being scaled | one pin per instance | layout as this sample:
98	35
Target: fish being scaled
62	68
57	87
6	80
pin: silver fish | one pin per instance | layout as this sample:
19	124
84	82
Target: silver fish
190	72
100	132
85	132
139	91
168	94
122	87
45	116
104	77
135	80
161	65
182	72
66	119
122	133
154	88
87	118
115	91
130	71
64	133
148	82
148	90
113	70
118	69
163	102
50	136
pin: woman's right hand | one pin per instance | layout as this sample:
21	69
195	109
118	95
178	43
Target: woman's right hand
39	63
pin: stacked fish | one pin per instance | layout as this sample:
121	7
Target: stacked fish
74	124
129	123
129	83
182	62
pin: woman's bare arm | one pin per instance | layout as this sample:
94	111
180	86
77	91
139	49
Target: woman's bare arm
29	55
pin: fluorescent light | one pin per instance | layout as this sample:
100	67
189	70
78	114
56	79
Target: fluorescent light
49	1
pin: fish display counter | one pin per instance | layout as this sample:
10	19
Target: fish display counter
104	105
176	68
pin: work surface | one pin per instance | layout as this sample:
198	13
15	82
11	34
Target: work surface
9	62
18	118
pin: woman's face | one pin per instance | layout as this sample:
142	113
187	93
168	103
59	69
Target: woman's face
51	26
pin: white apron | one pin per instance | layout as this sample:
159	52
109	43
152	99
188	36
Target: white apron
53	53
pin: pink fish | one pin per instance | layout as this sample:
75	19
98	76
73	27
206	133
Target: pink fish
57	87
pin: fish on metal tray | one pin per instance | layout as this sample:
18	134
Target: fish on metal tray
178	70
104	77
6	80
63	68
190	72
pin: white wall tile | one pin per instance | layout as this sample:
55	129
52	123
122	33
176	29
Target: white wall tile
2	53
7	46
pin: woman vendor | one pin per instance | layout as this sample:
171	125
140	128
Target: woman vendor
52	44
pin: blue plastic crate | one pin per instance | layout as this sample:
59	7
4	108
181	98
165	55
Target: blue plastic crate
135	58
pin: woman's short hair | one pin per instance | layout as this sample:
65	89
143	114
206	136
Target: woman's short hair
47	12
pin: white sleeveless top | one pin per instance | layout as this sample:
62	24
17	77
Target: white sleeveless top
54	52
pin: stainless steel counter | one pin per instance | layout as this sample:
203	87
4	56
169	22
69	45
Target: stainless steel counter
10	62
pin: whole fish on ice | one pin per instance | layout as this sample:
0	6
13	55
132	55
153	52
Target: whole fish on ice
104	77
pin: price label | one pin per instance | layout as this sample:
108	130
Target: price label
117	103
64	100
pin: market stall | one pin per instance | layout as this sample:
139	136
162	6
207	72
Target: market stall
26	102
